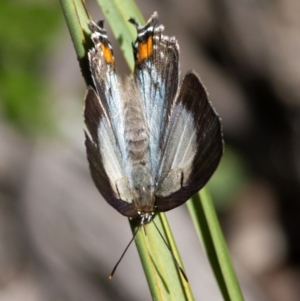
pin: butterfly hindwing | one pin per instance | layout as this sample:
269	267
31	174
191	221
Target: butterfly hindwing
192	146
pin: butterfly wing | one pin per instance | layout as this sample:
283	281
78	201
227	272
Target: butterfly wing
156	76
102	65
192	146
105	123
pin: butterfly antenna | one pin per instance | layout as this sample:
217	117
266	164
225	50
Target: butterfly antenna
115	267
172	254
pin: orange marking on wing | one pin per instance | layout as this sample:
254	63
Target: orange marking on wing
108	56
145	49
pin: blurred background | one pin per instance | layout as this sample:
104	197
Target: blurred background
59	239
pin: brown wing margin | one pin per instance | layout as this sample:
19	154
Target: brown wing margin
209	145
93	114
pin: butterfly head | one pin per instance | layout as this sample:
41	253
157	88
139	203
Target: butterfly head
145	217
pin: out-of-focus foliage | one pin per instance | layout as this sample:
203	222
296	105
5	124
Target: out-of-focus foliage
26	33
230	178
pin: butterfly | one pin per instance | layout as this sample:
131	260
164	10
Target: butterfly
153	142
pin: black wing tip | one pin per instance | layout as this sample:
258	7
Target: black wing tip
99	33
100	23
96	26
153	20
134	22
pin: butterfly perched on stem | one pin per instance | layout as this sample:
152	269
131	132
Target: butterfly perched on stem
152	142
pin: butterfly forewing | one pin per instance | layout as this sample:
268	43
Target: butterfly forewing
156	75
104	75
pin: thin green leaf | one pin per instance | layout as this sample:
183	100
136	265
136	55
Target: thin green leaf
209	231
76	17
164	279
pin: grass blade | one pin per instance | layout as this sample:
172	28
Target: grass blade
164	279
208	228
